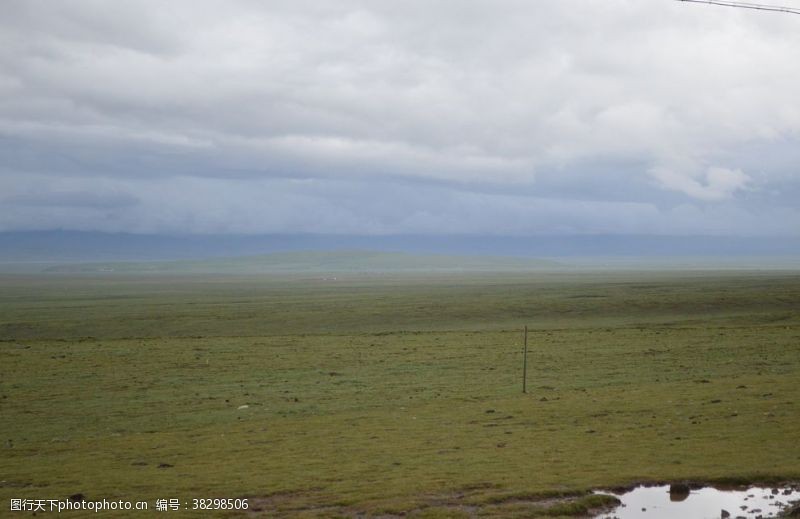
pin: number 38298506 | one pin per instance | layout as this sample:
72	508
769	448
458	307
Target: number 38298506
219	504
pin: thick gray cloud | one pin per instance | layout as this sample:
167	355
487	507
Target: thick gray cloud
377	117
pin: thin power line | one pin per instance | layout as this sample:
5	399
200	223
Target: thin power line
747	5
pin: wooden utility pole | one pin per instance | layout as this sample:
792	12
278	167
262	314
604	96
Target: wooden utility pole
525	363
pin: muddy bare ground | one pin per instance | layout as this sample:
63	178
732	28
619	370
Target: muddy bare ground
466	502
488	501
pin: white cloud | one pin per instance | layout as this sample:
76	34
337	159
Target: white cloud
714	184
531	99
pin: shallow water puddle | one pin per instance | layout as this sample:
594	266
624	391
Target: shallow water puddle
704	503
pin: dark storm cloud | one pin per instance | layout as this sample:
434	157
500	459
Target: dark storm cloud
377	117
90	199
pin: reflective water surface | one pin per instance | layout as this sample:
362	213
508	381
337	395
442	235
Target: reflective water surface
658	502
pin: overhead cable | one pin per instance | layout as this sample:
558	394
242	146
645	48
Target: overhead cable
747	5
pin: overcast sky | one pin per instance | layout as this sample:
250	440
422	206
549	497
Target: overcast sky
383	117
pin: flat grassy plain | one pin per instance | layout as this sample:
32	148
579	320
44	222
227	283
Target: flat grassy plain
397	394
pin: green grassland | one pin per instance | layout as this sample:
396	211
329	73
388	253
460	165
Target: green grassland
395	395
316	261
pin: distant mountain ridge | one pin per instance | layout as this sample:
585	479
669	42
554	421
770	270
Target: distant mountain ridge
315	261
81	246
